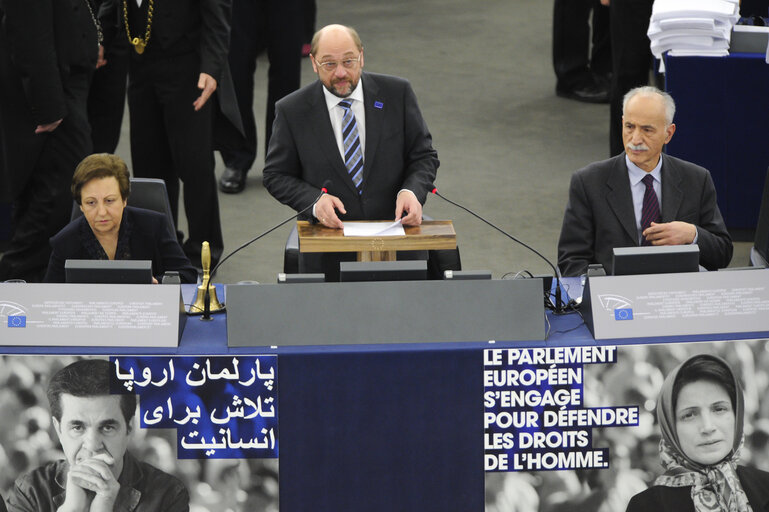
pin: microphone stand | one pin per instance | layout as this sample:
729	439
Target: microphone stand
559	308
206	297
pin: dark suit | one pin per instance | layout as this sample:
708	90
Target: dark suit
575	60
600	216
150	239
631	57
274	25
659	498
303	155
303	152
169	140
48	52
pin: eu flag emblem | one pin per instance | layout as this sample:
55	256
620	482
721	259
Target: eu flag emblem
623	314
17	321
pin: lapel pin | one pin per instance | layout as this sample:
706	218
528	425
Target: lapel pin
378	104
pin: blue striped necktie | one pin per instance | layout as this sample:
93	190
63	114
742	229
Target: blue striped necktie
353	154
650	211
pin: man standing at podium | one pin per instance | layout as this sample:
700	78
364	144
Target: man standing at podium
360	134
642	197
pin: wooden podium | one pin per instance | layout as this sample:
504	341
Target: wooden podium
432	234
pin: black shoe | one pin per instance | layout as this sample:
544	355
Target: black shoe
591	93
232	181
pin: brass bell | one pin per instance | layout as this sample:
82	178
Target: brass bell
199	306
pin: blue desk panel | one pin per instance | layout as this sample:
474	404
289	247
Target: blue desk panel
376	427
722	107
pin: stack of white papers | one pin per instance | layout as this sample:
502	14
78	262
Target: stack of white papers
692	27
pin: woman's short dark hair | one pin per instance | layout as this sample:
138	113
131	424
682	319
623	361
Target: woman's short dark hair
86	378
706	368
101	165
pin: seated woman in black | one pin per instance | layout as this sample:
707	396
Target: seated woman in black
111	230
701	413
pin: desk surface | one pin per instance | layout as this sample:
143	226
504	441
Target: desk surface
202	337
395	427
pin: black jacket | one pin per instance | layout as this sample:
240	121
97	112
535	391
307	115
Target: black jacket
150	239
303	153
43	44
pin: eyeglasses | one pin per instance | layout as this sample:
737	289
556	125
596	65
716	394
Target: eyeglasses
331	65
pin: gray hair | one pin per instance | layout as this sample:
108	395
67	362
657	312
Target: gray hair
648	90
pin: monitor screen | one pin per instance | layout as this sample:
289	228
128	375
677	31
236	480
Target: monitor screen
406	270
666	259
108	271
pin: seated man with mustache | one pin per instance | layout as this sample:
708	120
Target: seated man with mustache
643	197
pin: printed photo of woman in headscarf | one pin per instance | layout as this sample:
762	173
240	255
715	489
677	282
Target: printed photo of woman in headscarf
701	412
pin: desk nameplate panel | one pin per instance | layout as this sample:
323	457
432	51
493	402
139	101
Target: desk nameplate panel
693	303
384	312
92	315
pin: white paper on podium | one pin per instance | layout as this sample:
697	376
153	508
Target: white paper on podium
374	228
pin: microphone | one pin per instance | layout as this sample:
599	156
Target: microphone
559	306
207	297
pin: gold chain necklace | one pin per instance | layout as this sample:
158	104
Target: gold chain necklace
138	43
99	33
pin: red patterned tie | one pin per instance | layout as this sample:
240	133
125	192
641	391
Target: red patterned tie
650	212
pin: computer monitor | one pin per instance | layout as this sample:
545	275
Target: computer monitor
406	270
664	259
108	271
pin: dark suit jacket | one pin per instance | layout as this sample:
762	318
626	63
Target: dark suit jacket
151	239
659	498
180	27
42	45
599	215
303	154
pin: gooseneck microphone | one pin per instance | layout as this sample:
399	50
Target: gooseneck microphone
206	297
559	306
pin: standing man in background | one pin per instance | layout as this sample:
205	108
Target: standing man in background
582	70
178	55
274	25
48	52
631	58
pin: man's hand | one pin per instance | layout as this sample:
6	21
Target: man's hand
670	233
93	474
605	2
75	497
325	211
45	128
100	60
407	202
207	84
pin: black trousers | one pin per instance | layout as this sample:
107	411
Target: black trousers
258	25
169	140
631	59
106	99
574	61
44	205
